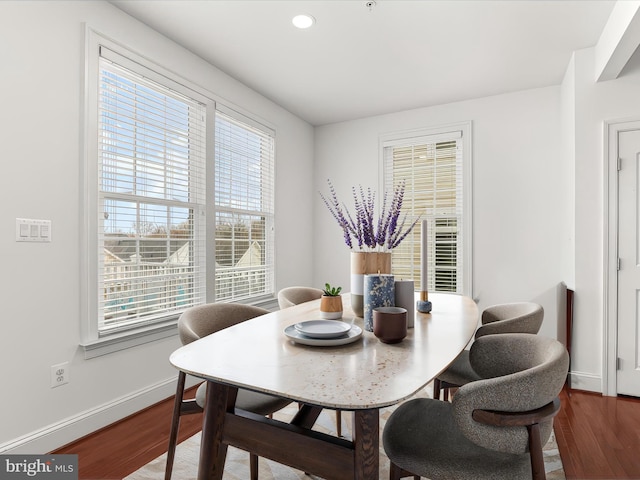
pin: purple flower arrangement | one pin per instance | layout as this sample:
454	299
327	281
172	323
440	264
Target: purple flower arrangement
360	229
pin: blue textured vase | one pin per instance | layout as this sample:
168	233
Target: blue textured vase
379	291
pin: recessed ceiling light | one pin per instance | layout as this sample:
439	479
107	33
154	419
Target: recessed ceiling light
303	21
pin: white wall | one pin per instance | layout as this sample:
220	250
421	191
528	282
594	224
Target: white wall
518	221
40	133
595	103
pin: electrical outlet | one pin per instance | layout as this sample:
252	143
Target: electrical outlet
59	374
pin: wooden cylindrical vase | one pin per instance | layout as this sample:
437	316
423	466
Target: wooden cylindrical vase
363	263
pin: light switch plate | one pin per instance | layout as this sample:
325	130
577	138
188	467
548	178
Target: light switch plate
32	230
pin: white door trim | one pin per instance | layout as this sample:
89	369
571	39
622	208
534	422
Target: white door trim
612	128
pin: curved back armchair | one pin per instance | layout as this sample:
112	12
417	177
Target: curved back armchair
200	321
519	317
290	296
495	427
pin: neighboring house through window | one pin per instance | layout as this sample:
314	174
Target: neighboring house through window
435	166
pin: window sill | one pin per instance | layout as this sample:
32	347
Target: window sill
132	338
121	341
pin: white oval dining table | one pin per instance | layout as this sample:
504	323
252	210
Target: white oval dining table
362	376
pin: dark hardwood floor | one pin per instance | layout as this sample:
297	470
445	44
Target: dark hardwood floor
115	451
598	438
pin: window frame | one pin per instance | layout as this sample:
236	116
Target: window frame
93	343
463	131
234	115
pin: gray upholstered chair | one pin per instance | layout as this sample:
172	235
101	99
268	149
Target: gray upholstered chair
520	317
495	427
290	296
200	321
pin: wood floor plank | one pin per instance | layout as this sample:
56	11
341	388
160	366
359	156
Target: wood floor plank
598	437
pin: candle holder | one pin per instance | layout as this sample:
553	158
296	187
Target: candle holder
424	305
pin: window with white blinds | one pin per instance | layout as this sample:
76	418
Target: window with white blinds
151	196
434	169
244	205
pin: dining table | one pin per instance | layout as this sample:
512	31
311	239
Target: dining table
355	372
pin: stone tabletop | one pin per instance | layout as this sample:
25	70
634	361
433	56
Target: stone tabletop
257	355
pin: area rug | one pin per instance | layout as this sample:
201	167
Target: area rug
237	464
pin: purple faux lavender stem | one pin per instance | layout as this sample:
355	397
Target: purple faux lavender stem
370	222
362	227
399	238
394	213
382	223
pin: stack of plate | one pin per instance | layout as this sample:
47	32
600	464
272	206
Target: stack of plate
323	332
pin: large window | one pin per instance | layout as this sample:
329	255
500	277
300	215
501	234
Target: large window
244	209
178	201
151	197
435	168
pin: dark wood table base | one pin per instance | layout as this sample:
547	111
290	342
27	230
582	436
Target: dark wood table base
293	444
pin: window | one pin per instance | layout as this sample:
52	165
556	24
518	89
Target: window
151	197
179	201
435	168
244	204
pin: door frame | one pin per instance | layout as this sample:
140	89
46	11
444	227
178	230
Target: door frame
612	128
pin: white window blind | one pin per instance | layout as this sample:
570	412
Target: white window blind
244	202
151	197
432	169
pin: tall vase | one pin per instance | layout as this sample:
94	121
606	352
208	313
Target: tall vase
361	264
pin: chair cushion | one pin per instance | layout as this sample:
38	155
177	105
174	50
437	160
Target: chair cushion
259	403
422	437
460	372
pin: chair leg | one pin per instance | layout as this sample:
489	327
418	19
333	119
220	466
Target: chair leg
175	424
396	473
339	423
253	466
436	389
535	450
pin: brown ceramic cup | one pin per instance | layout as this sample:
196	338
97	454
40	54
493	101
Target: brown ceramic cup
390	324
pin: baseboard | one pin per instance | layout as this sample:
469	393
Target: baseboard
66	431
585	381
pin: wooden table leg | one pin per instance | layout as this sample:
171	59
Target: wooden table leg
306	416
213	452
366	440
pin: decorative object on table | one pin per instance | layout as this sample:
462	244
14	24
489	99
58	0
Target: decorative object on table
405	298
423	305
363	263
322	328
354	333
331	303
372	238
379	291
390	324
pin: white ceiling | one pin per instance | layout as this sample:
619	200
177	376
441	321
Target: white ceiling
358	61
